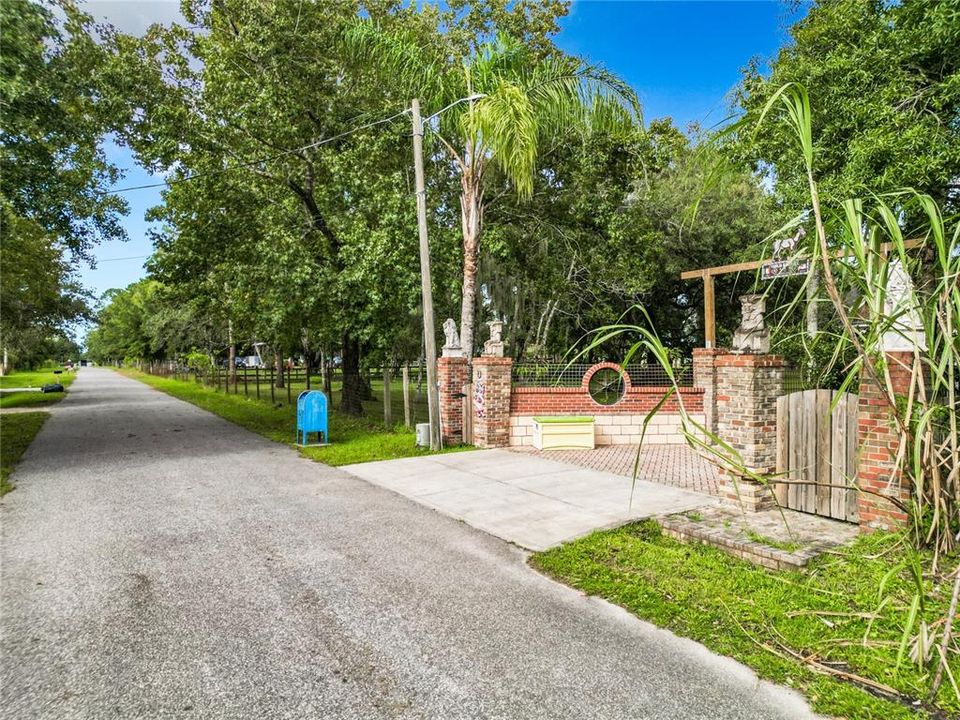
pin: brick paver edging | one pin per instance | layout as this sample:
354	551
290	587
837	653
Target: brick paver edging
686	530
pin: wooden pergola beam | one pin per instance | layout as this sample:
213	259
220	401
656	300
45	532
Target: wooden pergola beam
707	275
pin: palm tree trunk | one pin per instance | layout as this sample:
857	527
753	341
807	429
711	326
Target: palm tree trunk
471	216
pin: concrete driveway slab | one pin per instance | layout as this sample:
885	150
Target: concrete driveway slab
158	562
525	499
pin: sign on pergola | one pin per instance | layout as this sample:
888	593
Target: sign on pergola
770	269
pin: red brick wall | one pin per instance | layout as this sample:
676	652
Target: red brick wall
451	376
879	442
577	401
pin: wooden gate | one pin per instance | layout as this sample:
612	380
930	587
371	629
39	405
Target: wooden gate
818	446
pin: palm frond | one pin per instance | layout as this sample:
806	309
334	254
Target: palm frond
412	69
506	124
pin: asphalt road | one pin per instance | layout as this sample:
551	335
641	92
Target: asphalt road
159	562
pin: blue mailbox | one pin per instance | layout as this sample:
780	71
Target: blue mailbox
312	417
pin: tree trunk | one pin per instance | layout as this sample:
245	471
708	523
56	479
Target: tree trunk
278	364
513	339
231	355
327	376
350	395
471	218
6	364
553	306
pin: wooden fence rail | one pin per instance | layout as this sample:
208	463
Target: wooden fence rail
257	382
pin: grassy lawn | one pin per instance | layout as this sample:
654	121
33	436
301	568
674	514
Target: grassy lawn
24	399
36	378
353	440
16	433
831	614
33	378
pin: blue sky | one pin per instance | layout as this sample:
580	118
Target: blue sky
683	58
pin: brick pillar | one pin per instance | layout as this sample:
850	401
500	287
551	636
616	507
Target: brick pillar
491	401
746	394
451	375
705	377
878	442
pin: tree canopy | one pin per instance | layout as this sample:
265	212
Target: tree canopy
289	212
885	79
54	173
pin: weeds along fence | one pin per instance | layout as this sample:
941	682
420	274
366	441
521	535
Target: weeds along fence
396	393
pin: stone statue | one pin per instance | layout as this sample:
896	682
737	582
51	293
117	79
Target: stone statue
494	346
451	345
900	307
752	336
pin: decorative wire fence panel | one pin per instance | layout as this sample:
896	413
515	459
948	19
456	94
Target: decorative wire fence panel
794	381
557	374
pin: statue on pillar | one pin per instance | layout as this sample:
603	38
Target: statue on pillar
900	306
752	336
451	345
494	346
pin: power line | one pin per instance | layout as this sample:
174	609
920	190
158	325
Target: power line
175	181
132	257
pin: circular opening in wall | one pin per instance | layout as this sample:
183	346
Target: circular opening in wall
607	386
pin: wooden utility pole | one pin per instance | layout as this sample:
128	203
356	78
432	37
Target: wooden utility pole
429	331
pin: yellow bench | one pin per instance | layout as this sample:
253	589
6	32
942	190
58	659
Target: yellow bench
563	433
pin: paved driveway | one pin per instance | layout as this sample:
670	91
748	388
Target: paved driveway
159	562
526	499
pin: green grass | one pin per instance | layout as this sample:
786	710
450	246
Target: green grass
29	399
352	440
787	545
759	617
33	378
17	431
36	378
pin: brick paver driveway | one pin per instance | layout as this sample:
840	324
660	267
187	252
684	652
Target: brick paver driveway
675	465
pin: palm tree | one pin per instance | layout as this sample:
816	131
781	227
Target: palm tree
499	106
